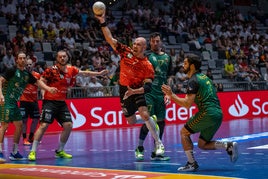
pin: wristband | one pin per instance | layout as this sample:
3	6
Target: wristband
104	24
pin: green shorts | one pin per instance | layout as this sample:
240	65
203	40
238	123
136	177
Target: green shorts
10	114
156	106
206	122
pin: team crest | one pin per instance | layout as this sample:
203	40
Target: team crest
129	55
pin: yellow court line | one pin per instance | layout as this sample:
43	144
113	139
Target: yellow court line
25	171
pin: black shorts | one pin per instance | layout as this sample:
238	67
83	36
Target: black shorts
55	110
131	104
29	109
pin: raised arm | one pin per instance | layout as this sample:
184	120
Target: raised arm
106	31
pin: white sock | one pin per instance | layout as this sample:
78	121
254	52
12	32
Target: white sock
220	145
61	146
15	148
152	128
34	146
190	156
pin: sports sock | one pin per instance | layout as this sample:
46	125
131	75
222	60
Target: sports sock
34	146
152	128
15	148
190	156
220	145
61	146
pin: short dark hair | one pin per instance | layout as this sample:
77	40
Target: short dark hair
194	59
155	34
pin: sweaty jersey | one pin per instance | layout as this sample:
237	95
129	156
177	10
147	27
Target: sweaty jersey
15	85
59	79
30	92
133	70
162	67
206	96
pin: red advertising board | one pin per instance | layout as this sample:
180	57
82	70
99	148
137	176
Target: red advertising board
99	113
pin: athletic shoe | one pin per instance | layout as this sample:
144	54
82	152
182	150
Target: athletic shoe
16	156
159	149
32	156
62	154
155	157
189	167
26	142
139	153
232	150
2	159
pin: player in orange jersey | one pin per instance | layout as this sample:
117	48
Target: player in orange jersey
136	75
54	106
29	105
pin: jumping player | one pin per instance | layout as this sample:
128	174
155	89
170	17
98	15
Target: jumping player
136	75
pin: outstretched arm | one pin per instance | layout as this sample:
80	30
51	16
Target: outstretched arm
93	73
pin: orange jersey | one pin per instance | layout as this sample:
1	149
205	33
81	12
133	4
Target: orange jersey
30	92
59	79
133	70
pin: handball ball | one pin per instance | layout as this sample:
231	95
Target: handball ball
98	8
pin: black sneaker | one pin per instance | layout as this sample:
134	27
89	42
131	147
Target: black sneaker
155	157
189	167
232	150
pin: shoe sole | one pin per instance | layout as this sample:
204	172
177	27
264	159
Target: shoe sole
64	157
17	159
160	159
31	159
193	170
234	155
139	159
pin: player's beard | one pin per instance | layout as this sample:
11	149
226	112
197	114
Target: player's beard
62	63
186	70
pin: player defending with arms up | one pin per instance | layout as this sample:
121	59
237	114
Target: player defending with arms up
207	120
136	75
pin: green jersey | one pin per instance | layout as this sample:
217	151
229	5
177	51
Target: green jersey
16	81
162	66
206	96
208	119
155	99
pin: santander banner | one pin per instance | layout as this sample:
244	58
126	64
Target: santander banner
99	113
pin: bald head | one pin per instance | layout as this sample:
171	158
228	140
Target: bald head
139	47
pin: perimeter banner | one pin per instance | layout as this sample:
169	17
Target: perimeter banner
105	112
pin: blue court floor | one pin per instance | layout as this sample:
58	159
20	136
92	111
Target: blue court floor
114	149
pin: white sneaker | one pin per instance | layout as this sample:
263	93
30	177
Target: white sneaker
232	150
189	167
159	149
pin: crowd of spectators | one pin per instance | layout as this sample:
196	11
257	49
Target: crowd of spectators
65	24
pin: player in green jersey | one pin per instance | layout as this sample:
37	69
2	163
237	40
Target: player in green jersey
162	64
12	84
207	120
